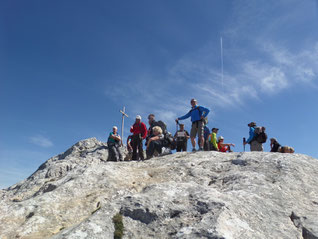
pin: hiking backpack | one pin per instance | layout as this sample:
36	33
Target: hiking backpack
162	125
260	135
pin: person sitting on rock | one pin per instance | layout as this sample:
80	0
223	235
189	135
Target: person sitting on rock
286	149
274	145
224	147
155	143
113	144
181	137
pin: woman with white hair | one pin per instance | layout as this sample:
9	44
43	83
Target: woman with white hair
156	142
113	143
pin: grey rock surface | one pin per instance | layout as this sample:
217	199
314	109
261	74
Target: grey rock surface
183	195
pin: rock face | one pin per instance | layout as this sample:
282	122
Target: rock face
184	195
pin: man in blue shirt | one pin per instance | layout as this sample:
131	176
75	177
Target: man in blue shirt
198	114
254	144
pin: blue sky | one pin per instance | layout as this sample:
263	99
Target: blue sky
68	67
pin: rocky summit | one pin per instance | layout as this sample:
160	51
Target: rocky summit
213	195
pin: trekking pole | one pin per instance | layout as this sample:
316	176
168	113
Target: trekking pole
244	140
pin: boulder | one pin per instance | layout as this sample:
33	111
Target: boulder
184	195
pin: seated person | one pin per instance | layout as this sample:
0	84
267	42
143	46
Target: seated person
286	149
224	147
113	144
155	143
274	145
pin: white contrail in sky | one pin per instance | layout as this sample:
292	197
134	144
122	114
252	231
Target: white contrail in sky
222	63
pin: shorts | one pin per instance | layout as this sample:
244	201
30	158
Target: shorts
197	129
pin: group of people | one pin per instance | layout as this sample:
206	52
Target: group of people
157	138
257	137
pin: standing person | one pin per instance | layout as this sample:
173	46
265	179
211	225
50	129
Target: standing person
274	145
198	114
113	144
139	131
206	134
223	147
181	137
254	144
213	140
129	148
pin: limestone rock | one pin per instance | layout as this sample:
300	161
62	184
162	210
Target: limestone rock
183	195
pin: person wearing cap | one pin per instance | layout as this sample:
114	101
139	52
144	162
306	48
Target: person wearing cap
181	137
198	115
113	144
254	145
213	140
139	131
223	147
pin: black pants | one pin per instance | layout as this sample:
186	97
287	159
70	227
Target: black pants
155	145
136	144
212	148
114	152
181	146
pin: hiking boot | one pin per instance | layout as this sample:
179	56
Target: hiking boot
194	150
200	149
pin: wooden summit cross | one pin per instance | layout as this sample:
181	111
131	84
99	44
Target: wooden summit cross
122	123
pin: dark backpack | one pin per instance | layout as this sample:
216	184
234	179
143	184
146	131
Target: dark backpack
162	125
169	141
168	138
260	135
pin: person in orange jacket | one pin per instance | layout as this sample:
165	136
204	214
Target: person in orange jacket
139	131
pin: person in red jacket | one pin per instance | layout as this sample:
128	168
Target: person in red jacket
139	131
224	147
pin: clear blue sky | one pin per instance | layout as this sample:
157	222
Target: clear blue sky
67	67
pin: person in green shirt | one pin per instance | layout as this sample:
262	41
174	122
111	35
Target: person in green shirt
113	144
213	140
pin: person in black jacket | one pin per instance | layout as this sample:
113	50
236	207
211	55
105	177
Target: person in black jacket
274	145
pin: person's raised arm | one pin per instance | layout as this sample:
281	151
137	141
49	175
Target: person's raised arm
185	116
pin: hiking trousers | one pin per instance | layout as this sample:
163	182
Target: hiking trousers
136	144
181	146
154	146
256	146
114	153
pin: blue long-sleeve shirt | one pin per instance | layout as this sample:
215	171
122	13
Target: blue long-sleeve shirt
196	113
252	135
